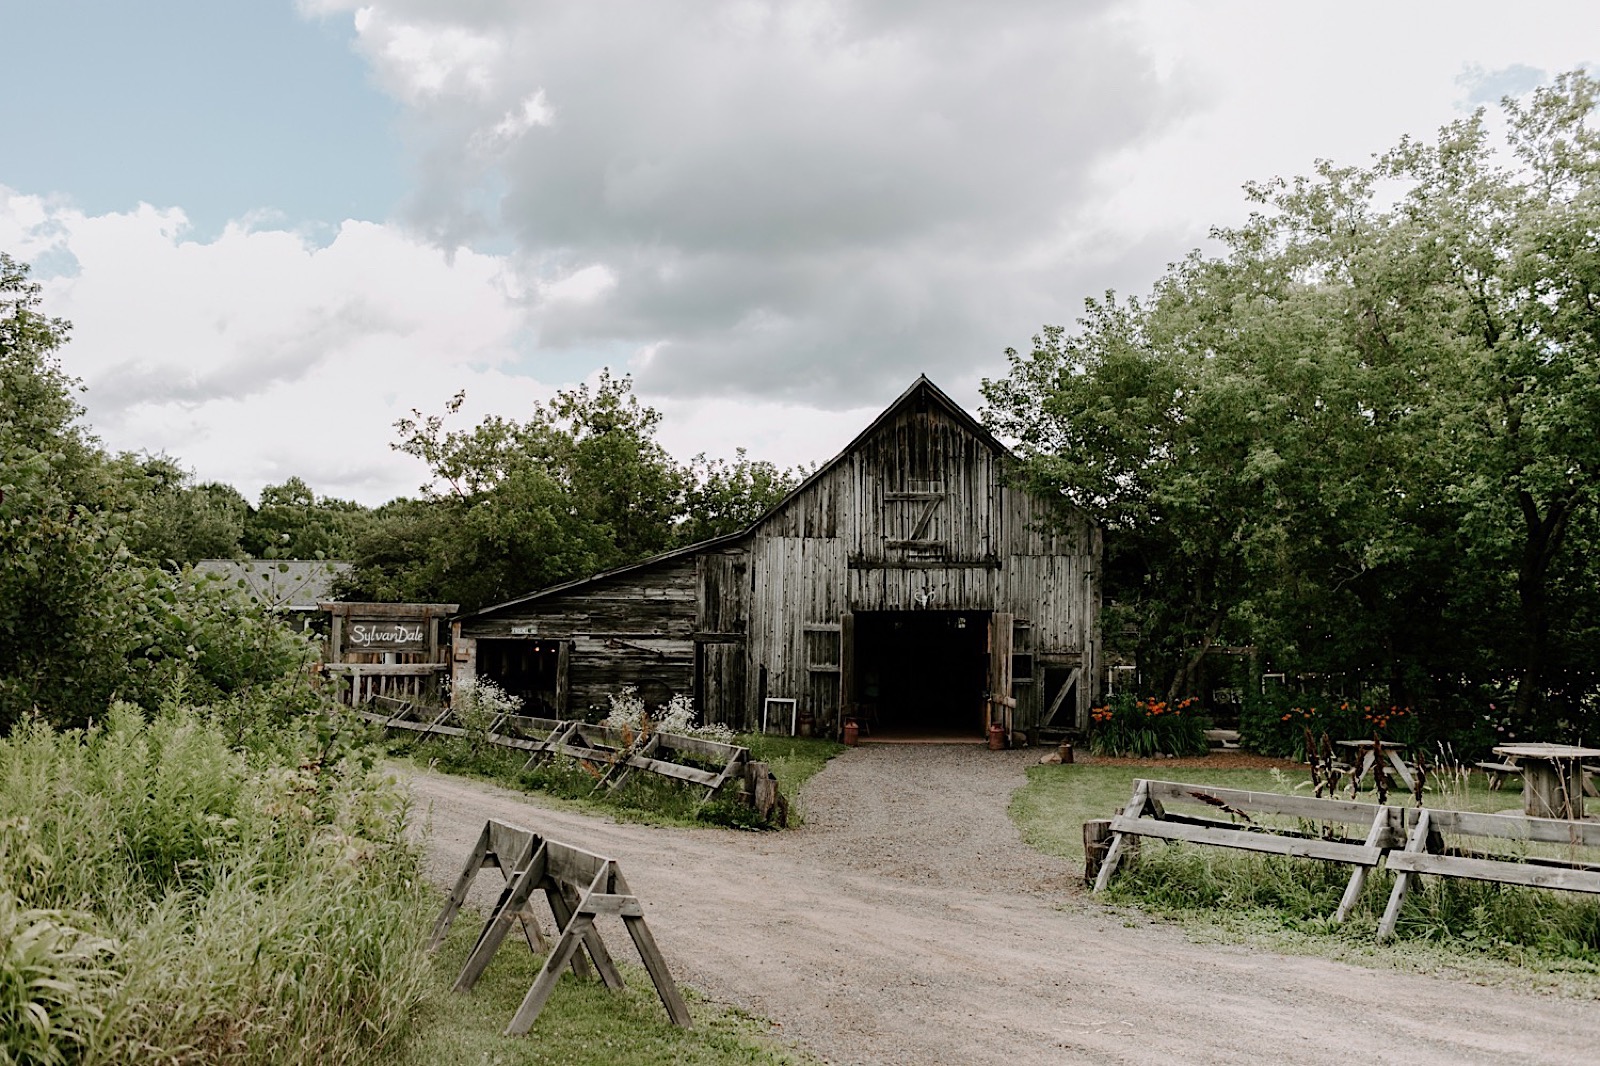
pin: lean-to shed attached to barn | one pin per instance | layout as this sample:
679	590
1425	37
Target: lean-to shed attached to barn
903	584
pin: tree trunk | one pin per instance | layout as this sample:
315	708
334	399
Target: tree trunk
1542	543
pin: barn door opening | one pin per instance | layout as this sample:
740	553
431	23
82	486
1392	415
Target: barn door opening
919	673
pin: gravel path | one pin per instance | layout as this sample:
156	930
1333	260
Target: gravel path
906	922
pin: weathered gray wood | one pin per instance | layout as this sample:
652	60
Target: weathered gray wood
388	669
915	514
1289	806
1505	872
1245	840
1059	701
574	866
1358	876
599	954
597	903
1135	807
564	952
458	894
1402	880
561	908
511	905
563	676
1516	827
1096	840
619	772
660	976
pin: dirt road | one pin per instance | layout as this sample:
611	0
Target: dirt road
907	923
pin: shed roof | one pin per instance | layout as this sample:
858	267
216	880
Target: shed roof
921	389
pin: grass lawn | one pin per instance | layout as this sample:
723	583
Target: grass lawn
1487	932
583	1024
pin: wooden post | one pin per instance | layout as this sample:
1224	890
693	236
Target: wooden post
762	785
1000	701
458	895
1358	876
1402	880
563	677
1096	841
1134	809
847	667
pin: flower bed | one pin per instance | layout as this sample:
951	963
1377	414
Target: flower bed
1146	727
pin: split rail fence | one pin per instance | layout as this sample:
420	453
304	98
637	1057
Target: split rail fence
611	754
1406	841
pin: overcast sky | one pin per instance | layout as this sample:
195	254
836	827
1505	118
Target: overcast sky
278	227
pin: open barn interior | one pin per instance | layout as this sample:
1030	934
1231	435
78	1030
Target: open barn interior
921	673
524	668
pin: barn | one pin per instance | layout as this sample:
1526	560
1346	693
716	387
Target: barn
904	584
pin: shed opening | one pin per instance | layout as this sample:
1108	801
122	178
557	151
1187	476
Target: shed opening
526	668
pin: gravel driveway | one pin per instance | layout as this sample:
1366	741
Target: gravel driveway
906	922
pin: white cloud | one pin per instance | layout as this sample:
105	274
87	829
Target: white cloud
789	199
423	59
534	111
257	355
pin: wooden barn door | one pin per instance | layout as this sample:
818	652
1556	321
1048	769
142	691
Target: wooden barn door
1001	703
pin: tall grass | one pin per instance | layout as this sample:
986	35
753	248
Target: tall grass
172	899
1511	923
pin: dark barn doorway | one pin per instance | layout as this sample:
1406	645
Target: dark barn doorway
921	673
526	668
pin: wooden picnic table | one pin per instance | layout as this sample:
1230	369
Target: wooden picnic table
1363	758
1552	777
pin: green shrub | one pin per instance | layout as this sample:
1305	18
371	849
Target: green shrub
1147	727
183	901
1276	722
54	981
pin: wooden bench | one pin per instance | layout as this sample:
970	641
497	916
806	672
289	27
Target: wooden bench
1425	853
1497	772
1146	815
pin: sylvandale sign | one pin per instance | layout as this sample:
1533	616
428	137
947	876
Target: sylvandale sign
387	636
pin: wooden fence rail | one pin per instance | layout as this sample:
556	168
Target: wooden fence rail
416	682
1409	842
1425	853
1146	815
611	754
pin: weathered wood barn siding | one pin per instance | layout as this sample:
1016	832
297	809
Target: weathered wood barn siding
916	516
631	627
913	516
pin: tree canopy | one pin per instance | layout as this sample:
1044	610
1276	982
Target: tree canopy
1365	438
582	485
84	614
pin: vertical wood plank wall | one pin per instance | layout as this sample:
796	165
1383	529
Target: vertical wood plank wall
916	517
815	559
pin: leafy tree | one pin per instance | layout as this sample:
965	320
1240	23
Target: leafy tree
82	618
725	497
293	522
1366	436
57	546
174	522
582	485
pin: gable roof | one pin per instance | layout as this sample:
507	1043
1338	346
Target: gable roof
921	390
